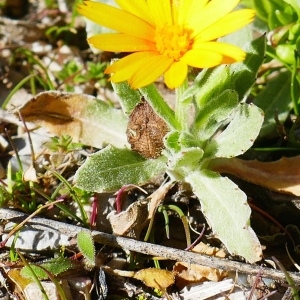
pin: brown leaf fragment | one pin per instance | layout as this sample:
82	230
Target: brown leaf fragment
282	176
190	273
83	117
133	220
146	130
130	222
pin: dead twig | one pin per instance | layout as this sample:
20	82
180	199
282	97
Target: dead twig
151	249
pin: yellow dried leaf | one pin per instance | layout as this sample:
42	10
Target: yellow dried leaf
208	250
155	278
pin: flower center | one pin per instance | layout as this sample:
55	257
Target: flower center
173	41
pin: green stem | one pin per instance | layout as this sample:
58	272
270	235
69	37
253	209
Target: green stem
15	89
182	107
183	220
288	279
159	105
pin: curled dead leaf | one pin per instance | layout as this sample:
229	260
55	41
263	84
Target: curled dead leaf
190	273
83	117
282	176
134	219
130	222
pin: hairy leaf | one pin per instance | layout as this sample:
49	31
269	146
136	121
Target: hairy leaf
55	266
111	168
214	113
128	98
86	245
239	135
227	212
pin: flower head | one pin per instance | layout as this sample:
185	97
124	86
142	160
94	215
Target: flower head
164	37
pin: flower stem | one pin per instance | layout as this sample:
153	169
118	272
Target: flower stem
182	107
159	105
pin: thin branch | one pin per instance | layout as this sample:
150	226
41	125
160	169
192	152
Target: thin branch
155	250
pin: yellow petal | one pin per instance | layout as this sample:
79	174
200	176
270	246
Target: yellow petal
116	19
223	48
211	13
176	74
136	7
150	69
127	61
161	12
139	69
187	9
202	58
228	24
119	42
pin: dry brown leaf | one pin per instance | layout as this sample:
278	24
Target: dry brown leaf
86	119
155	278
130	222
133	220
190	273
281	176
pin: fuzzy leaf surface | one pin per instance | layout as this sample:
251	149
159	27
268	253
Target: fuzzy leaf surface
111	168
85	118
227	213
55	266
239	135
128	98
214	113
86	245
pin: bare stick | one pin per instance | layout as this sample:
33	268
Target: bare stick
155	250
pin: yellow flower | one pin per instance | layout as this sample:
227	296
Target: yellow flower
166	36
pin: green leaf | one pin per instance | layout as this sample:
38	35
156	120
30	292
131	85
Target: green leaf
227	212
111	168
214	113
262	9
86	246
239	135
275	99
296	6
238	76
128	98
55	266
184	162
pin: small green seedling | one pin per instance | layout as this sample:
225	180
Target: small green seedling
86	246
